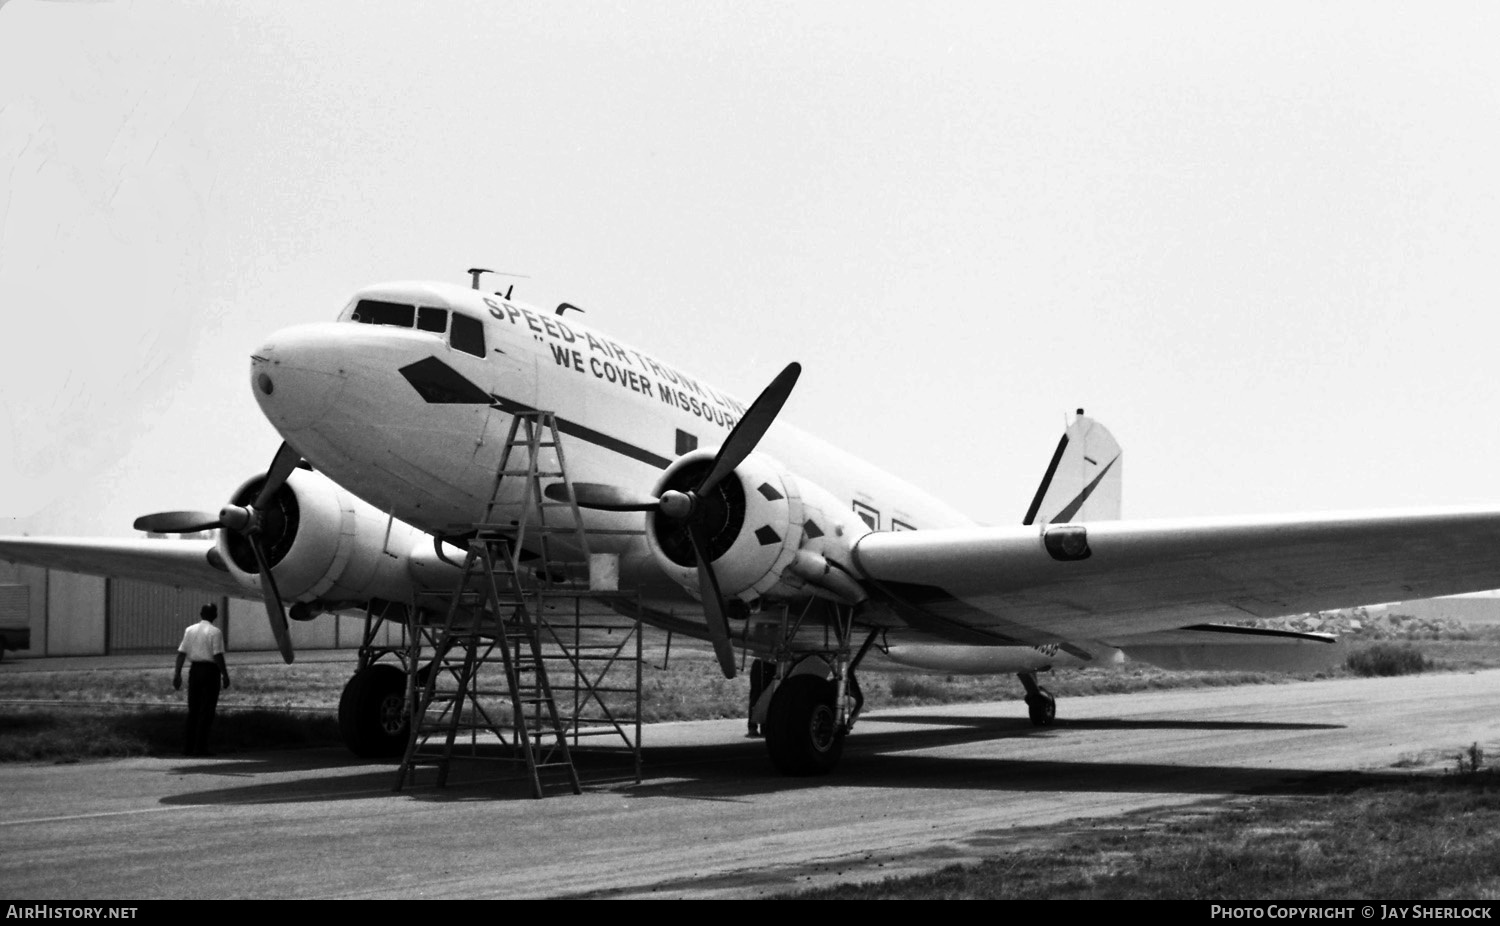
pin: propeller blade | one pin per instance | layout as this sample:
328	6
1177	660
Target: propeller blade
713	602
600	497
177	522
752	427
282	464
275	613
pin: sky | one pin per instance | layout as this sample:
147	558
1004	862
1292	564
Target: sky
1258	241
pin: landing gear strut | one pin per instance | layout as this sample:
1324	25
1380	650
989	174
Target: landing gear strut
1039	701
810	712
374	721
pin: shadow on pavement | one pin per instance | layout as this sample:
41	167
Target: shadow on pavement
740	769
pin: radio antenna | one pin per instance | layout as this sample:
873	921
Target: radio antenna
476	272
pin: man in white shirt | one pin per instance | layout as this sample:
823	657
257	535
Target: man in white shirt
203	644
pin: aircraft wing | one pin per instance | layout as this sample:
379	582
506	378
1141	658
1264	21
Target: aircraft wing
170	562
1116	579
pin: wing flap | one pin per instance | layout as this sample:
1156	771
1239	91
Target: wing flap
1002	584
1217	647
183	563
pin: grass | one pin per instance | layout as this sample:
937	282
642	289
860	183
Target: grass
53	734
133	711
1372	837
908	690
120	712
1387	659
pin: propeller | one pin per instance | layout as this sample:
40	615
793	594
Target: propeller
688	507
245	521
177	522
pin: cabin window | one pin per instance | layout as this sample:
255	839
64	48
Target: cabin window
467	335
899	525
375	312
432	319
869	515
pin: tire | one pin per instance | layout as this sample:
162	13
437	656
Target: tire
801	729
373	719
1042	708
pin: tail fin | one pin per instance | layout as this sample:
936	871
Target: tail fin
1083	481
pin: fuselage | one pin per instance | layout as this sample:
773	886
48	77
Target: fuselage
407	399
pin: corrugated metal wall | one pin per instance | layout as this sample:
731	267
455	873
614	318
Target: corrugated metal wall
15	605
75	615
34	580
78	615
145	617
15	617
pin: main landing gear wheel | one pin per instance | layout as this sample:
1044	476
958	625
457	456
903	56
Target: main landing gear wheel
372	712
801	730
1042	707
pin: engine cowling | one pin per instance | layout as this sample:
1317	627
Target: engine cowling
323	544
770	534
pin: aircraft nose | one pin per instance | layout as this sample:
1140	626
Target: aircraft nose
297	375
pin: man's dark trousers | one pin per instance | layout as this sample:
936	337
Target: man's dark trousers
203	699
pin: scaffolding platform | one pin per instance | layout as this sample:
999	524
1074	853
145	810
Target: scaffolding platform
527	664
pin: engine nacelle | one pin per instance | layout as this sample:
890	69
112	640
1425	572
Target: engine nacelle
769	534
324	545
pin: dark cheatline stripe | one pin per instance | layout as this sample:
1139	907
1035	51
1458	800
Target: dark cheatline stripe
1067	513
440	384
597	438
1041	490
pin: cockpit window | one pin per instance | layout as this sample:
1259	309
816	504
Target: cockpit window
375	312
467	335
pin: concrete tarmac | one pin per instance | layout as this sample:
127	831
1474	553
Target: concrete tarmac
917	789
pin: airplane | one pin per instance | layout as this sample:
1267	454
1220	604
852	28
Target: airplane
394	417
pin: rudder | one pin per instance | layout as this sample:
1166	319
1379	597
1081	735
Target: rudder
1084	480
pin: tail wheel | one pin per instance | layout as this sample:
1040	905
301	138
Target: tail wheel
1042	707
373	719
802	727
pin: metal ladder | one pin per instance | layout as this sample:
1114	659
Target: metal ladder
500	614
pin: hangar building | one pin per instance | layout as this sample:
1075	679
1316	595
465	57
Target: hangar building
76	615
